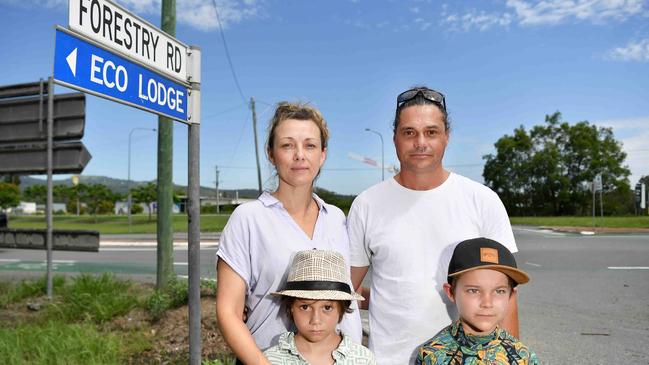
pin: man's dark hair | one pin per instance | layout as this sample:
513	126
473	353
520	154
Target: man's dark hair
420	100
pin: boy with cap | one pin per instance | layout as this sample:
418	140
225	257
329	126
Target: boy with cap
316	296
482	275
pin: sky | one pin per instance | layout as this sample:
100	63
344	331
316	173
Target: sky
500	63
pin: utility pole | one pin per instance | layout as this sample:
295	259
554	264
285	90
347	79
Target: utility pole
218	209
254	130
165	269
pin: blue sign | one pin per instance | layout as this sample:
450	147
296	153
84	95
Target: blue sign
86	67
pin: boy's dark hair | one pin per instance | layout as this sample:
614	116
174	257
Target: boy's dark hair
344	306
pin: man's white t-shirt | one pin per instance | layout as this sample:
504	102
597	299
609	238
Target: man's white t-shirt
407	237
259	243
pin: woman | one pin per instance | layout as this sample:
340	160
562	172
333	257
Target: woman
261	237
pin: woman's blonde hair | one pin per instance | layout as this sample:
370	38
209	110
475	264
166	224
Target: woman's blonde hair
299	111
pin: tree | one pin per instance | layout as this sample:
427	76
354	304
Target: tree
99	199
9	195
549	170
36	193
145	194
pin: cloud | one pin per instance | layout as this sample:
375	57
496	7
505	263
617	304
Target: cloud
199	14
477	20
633	51
546	12
557	11
50	4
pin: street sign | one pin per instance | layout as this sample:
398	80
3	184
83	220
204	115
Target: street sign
597	182
68	158
115	27
19	118
26	89
84	66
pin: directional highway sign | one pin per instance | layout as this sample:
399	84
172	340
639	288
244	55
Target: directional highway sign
82	65
19	118
31	158
115	27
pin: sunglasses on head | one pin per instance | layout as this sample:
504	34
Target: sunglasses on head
428	94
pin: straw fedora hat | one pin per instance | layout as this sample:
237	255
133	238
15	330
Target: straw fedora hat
318	275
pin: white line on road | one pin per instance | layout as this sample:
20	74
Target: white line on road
181	263
53	261
205	279
629	267
533	264
539	231
143	249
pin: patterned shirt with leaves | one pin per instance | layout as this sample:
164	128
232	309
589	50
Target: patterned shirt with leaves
347	353
451	346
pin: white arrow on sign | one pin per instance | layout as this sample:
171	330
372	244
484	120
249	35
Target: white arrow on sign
72	62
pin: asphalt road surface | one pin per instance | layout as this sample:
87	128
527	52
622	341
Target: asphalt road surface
587	303
588	300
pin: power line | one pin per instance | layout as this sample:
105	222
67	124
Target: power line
224	111
227	53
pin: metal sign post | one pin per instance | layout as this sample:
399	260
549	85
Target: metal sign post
150	71
194	208
48	207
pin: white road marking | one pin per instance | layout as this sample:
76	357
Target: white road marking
181	263
539	231
629	267
204	279
533	264
150	248
9	260
119	249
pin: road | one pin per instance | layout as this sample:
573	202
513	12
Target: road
587	303
133	256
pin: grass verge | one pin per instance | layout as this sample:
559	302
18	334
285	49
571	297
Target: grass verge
608	222
102	320
62	343
115	224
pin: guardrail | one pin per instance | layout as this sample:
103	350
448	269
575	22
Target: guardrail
64	240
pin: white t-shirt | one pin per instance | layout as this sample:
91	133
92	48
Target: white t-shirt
259	242
408	237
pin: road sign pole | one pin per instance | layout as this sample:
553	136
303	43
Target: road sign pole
48	206
254	131
593	186
194	208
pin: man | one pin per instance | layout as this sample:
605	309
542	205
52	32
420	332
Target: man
406	228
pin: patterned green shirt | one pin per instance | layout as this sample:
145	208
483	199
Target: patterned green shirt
347	353
451	346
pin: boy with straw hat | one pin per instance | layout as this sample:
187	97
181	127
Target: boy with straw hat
316	296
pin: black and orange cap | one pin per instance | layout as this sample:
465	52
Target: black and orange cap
483	253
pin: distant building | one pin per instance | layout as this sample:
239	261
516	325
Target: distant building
56	208
23	208
122	208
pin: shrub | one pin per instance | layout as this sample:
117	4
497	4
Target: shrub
157	304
